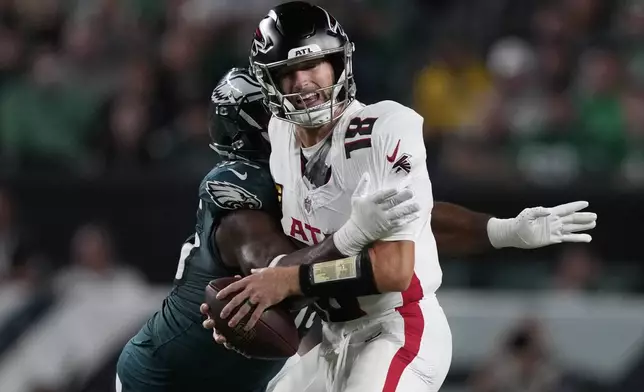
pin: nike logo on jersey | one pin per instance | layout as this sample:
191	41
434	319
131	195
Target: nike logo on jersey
391	158
238	174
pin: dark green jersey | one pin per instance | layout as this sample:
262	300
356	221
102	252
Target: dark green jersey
173	351
230	186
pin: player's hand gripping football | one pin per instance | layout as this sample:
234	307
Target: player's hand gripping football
538	226
374	215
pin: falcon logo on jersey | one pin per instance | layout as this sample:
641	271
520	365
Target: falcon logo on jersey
402	165
232	197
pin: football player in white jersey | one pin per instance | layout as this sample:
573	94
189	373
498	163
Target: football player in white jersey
384	329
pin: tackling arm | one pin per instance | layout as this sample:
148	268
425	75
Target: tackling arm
459	231
249	239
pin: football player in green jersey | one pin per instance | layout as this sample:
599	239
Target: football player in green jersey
237	229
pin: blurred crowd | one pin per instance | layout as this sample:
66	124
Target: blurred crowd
548	92
558	97
537	92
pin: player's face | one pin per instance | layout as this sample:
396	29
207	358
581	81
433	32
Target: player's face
306	79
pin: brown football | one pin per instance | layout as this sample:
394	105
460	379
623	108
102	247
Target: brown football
273	337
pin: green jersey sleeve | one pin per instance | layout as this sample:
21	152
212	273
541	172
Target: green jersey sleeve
239	185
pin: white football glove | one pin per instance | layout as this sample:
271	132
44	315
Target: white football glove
538	226
374	216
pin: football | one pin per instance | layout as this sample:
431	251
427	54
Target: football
273	337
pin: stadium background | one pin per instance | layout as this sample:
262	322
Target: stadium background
103	139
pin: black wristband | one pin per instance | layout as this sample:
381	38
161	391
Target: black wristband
348	277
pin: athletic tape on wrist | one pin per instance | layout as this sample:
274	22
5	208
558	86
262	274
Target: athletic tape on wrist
348	277
499	232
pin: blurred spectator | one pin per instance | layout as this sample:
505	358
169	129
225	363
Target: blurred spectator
25	297
45	122
630	30
99	303
549	24
578	270
582	16
180	70
549	157
520	113
93	259
523	365
513	107
555	47
449	90
139	80
124	145
633	165
84	61
21	281
40	20
516	103
10	235
599	100
183	148
11	54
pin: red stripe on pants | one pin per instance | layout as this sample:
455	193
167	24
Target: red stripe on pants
414	324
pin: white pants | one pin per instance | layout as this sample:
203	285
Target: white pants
405	350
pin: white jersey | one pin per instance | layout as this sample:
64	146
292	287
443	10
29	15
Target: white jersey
386	140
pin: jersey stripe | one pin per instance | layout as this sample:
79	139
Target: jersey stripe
414	325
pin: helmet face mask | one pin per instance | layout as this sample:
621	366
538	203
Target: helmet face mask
238	119
292	34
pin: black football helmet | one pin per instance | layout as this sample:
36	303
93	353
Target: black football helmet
238	118
296	32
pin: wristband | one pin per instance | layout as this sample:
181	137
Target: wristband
349	239
501	232
348	277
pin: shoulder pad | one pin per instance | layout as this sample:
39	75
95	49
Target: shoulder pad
384	109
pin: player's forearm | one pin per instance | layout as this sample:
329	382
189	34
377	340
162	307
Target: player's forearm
393	265
385	267
258	254
249	239
325	250
459	231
